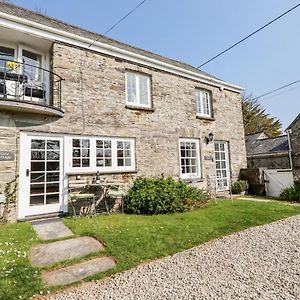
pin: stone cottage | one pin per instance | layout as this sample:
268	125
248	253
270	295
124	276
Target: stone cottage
265	152
294	132
73	103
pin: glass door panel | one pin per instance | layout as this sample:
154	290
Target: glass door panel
45	172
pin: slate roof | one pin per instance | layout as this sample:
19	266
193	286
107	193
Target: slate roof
294	122
274	145
57	24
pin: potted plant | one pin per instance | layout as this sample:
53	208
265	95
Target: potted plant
240	187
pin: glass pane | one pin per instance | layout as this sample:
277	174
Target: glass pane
217	156
37	188
127	162
6	54
216	147
120	162
38	155
222	147
100	162
52	155
85	163
85	153
52	199
144	91
54	176
99	153
194	169
52	188
52	166
37	144
108	162
76	163
99	143
222	155
53	145
131	87
36	200
120	145
76	152
37	166
76	143
107	144
107	153
223	165
120	153
37	177
85	143
32	64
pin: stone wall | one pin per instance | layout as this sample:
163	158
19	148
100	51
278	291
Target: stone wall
93	98
279	161
295	145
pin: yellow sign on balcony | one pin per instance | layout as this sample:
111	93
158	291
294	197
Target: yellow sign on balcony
12	65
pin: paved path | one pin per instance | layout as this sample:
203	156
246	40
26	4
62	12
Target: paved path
42	255
51	229
258	263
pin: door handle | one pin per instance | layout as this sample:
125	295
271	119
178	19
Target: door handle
27	172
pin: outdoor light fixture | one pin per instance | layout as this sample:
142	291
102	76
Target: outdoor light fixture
209	138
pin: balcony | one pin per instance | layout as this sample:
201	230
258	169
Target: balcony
27	88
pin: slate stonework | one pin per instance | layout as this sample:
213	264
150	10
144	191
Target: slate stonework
295	145
93	98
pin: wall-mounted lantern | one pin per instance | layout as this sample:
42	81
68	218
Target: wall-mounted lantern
209	138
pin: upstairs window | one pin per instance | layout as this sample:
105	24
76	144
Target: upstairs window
203	103
6	55
138	89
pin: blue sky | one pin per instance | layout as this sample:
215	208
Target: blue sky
193	31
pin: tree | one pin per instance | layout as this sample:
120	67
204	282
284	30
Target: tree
257	120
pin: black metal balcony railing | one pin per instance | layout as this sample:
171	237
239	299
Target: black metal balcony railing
29	84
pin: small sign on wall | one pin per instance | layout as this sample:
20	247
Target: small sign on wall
7	155
208	157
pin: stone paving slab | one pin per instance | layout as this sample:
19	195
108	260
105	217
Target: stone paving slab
51	229
78	272
42	255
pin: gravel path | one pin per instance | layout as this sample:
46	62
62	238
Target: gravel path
258	263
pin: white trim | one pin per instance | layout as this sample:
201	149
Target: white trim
93	167
201	91
138	103
47	32
198	171
226	151
24	208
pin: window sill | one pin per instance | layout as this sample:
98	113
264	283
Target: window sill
188	180
86	172
137	107
205	118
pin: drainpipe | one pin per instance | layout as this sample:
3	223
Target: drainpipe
290	148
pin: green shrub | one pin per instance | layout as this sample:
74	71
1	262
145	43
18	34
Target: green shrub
291	193
161	195
239	186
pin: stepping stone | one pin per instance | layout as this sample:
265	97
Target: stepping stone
42	255
51	229
78	272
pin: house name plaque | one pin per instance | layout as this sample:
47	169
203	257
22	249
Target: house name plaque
7	155
208	157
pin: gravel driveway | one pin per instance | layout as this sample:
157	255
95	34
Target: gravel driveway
258	263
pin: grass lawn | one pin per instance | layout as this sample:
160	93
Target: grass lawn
133	239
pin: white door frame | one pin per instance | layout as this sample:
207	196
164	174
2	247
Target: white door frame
24	208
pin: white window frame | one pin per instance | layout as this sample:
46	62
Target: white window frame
114	168
226	151
199	101
137	103
198	163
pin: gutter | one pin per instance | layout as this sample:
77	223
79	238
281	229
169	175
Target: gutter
27	26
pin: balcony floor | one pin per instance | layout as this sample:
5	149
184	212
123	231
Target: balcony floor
30	107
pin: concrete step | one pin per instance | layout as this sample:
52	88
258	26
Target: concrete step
51	229
48	216
78	272
42	255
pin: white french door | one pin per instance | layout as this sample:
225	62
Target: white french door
222	165
41	175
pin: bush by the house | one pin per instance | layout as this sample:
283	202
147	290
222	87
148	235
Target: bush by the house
161	195
291	193
239	186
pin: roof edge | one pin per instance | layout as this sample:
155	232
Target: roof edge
54	34
293	123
